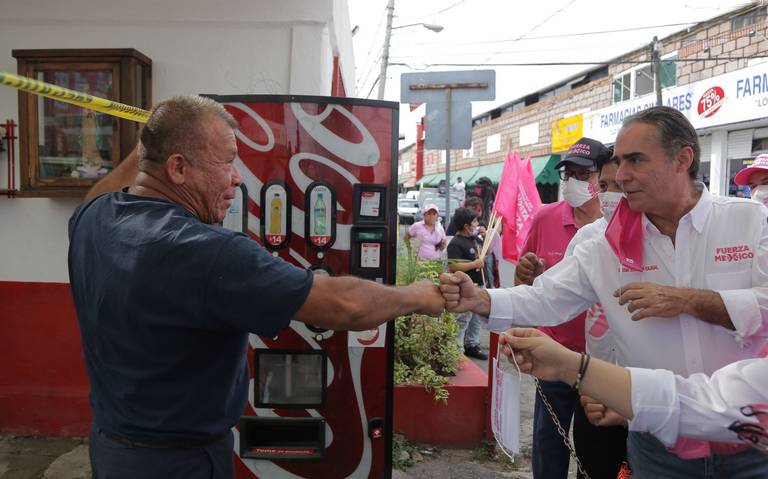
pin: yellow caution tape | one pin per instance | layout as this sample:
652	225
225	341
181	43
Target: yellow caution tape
66	95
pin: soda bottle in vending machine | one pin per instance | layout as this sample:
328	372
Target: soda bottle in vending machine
320	226
276	215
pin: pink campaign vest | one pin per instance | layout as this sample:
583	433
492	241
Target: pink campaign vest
625	237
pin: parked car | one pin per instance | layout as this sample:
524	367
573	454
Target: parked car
440	202
406	210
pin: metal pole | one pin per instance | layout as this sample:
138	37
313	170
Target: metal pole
385	51
656	56
448	187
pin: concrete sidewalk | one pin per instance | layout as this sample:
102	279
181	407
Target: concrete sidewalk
48	458
59	458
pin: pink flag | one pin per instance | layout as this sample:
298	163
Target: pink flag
516	201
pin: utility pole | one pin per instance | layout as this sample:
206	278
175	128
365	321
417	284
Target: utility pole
656	58
385	51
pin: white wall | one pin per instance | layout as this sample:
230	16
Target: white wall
196	46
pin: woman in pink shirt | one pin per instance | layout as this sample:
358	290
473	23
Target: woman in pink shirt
430	234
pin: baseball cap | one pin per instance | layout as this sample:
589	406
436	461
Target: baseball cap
760	163
585	152
431	206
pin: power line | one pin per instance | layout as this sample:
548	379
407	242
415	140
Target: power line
596	63
562	35
536	26
372	69
447	8
505	52
373	42
443	10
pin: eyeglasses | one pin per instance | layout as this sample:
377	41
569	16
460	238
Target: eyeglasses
581	174
753	434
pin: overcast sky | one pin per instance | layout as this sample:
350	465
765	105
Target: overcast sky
509	31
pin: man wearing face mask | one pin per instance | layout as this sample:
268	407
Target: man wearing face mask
756	177
553	227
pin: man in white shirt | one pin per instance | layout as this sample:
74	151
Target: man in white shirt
460	188
680	273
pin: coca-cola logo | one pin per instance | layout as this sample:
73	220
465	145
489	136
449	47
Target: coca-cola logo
711	101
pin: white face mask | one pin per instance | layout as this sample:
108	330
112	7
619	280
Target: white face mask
608	203
760	194
577	192
505	404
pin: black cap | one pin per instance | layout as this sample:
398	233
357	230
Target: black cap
585	152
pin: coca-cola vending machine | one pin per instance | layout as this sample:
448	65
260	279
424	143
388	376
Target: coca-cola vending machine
320	176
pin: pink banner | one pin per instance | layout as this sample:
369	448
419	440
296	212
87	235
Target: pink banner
516	201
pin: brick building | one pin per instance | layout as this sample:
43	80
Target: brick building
715	72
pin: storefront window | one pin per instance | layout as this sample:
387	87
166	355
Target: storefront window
622	88
641	80
67	148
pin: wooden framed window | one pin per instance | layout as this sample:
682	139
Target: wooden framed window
65	149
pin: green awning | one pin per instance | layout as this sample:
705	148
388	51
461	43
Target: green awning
426	180
492	171
544	169
467	174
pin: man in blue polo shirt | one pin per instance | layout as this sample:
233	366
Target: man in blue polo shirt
166	300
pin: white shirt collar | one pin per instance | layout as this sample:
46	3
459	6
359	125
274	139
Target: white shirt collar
698	213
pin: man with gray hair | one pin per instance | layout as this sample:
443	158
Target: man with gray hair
165	300
681	275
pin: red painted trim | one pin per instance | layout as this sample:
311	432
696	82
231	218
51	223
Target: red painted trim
43	384
493	353
460	423
337	83
420	149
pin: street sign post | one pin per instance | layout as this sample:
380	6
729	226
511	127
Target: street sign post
449	97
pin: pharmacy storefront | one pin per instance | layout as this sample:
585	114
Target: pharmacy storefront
729	111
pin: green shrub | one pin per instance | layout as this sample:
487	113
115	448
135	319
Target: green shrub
426	349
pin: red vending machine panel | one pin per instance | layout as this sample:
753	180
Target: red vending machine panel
321	181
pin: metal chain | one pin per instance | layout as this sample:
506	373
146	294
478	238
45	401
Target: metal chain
560	429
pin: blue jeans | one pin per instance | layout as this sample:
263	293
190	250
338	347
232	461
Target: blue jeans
469	329
488	270
111	459
650	459
550	457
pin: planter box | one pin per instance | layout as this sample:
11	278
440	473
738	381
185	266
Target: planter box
460	423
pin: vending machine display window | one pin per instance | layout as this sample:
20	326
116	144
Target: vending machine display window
289	379
370	203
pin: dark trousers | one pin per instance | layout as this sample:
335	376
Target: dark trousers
649	459
600	450
603	449
112	459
